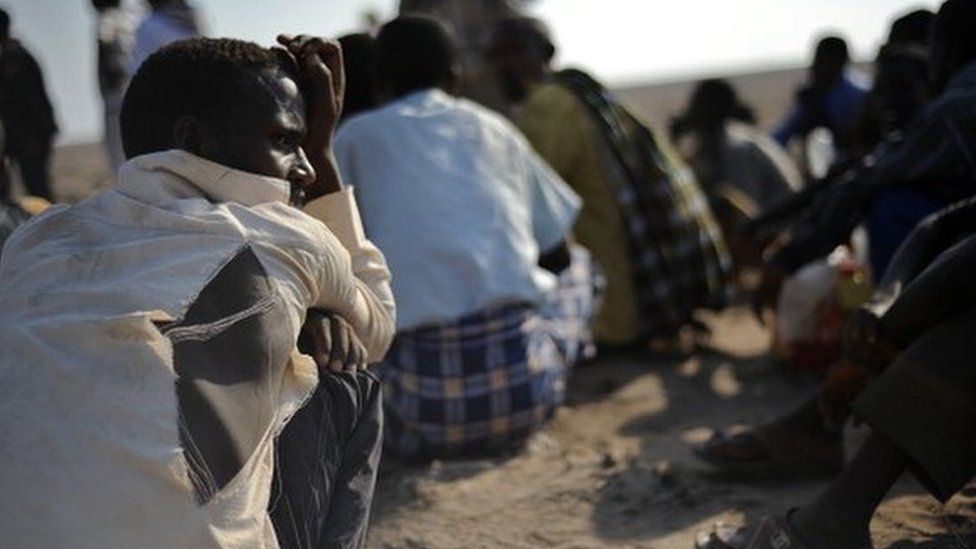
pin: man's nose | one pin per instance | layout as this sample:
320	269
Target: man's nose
302	170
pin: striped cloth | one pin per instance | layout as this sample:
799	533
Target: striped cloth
486	381
680	259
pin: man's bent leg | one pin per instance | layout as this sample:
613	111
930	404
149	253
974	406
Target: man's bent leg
925	403
327	458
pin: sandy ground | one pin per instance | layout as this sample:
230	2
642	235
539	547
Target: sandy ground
613	469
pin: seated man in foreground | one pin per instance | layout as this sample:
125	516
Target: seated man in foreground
493	304
148	334
921	407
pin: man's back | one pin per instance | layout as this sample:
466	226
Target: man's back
457	201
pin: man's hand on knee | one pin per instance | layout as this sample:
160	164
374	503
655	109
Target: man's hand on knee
334	344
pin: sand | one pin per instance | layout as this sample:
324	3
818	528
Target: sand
614	469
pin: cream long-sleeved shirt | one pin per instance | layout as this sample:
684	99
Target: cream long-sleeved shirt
187	273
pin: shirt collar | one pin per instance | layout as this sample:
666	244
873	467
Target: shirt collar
163	176
422	99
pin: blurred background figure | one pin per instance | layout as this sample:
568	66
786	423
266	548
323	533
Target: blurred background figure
901	81
114	34
831	99
11	214
362	92
167	21
471	22
644	217
26	112
740	169
14	213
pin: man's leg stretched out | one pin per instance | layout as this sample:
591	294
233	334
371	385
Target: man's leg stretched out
922	410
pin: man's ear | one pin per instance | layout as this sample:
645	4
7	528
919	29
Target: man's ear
188	134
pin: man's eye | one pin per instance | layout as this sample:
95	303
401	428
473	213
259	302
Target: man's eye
287	141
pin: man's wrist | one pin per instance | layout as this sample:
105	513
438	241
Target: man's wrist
328	180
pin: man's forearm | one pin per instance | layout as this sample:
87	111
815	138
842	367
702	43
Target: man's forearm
327	171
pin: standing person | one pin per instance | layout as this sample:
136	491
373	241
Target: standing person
114	34
168	21
493	304
26	112
644	218
832	98
148	334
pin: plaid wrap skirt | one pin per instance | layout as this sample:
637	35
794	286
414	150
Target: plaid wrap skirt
483	383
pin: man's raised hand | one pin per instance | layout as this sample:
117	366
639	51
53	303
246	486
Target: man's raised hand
324	87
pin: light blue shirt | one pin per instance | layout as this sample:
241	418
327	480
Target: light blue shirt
459	203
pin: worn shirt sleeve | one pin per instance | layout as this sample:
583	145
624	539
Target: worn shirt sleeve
358	290
933	236
553	204
932	150
943	289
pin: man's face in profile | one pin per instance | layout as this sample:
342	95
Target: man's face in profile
263	133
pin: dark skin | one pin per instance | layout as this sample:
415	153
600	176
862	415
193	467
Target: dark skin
920	289
518	63
285	129
943	62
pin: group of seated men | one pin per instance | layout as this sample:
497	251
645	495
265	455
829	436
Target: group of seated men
905	370
192	345
184	357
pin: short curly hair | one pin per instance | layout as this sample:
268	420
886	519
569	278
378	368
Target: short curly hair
201	77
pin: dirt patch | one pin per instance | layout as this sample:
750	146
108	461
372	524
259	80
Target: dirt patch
613	468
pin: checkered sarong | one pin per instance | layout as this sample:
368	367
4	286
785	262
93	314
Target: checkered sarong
486	381
679	257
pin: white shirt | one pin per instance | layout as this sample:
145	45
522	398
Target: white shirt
89	443
459	203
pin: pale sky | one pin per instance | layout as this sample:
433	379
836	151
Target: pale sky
620	41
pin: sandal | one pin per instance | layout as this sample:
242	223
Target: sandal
773	532
771	450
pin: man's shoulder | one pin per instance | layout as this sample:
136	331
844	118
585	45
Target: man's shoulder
553	93
470	109
365	123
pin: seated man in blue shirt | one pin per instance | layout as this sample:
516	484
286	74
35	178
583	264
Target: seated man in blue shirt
832	99
466	213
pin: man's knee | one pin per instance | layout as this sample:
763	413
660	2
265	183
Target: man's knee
354	398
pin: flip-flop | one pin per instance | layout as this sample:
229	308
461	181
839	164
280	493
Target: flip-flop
772	532
768	451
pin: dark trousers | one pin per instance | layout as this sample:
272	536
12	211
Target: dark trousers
925	403
327	458
34	162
